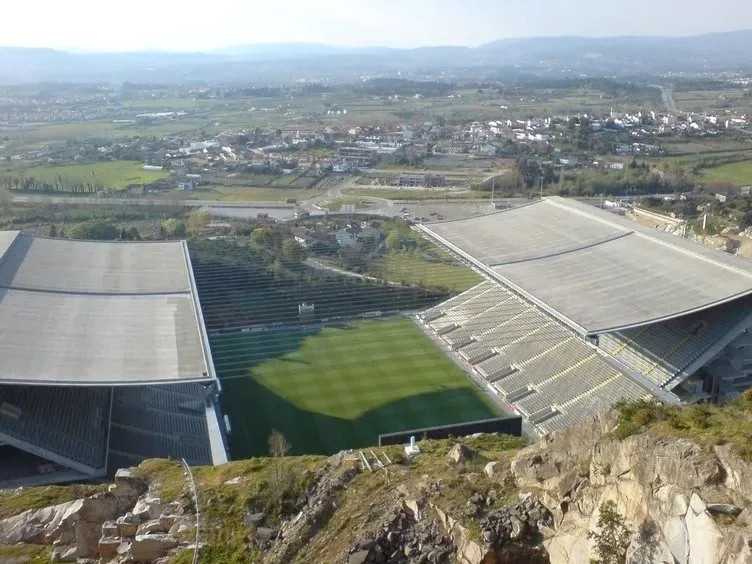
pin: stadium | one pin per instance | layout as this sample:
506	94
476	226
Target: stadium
108	349
582	309
104	360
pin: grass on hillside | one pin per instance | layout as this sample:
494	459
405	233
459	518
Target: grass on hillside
108	174
339	387
739	173
705	424
25	553
407	267
13	502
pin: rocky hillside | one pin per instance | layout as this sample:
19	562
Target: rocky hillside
644	484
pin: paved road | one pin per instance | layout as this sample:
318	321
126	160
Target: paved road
667	96
46	199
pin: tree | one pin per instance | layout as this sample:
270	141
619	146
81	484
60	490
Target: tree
281	477
393	240
97	229
197	220
6	202
174	227
613	535
278	445
260	236
292	251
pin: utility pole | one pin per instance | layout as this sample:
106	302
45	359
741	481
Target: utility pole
493	189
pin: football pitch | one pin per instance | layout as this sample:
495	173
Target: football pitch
333	388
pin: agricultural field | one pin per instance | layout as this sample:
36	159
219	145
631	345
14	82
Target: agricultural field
105	174
707	100
739	174
339	387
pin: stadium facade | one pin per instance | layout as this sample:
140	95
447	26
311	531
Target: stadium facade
582	309
104	359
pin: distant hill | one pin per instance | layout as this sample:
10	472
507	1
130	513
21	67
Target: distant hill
278	63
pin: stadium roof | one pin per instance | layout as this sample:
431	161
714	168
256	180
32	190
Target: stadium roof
594	270
99	313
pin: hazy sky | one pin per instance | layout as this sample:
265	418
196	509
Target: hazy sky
187	25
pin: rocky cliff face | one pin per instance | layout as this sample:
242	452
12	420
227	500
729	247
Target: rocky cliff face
684	504
481	500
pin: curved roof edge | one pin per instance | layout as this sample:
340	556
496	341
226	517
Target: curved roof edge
490	273
584	331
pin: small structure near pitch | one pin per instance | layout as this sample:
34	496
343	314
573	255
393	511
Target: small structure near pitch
412	449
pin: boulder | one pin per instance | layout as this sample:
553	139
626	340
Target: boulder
677	538
411	506
359	557
460	453
110	529
146	548
265	534
108	547
705	539
254	519
148	508
724	508
63	554
181	525
738	473
493	468
128	487
127	525
87	538
153	526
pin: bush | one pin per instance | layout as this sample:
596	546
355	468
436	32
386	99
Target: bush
94	229
612	537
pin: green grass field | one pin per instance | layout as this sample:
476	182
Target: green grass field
109	174
247	193
739	173
402	266
339	387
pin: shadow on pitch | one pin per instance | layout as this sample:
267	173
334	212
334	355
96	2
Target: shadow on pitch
236	354
255	411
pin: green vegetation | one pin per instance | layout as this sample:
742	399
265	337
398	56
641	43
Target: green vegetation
13	502
247	193
738	174
612	537
338	205
90	177
416	268
339	387
94	229
262	281
26	553
705	424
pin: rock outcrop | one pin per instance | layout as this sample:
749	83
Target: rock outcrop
469	504
107	527
662	486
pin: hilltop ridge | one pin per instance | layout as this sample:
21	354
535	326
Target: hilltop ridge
676	480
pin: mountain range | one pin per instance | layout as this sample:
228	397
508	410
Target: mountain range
280	63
